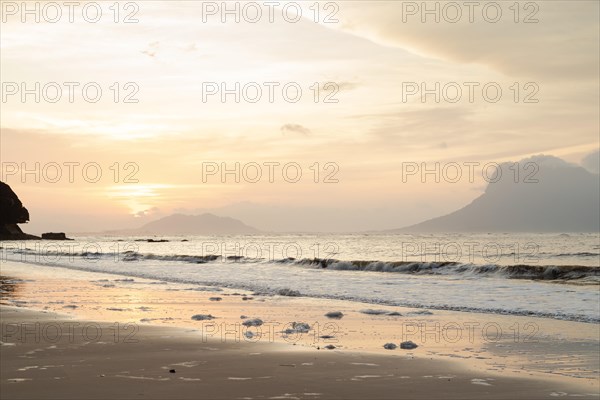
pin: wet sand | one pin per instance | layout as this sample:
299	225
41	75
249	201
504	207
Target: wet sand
119	338
79	366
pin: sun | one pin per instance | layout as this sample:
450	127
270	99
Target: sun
139	199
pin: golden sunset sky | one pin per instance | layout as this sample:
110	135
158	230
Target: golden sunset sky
370	50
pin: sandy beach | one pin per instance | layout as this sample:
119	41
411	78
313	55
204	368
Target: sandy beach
75	334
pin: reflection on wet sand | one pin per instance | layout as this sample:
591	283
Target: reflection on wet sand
8	288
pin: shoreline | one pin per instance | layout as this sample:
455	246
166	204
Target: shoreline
502	297
557	358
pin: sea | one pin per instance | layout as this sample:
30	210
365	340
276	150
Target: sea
553	275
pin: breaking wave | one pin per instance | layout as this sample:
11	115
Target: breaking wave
574	274
520	271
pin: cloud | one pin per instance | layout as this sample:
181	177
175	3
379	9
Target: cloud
333	85
563	44
145	213
295	129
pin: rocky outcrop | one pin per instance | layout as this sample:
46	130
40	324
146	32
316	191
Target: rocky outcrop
55	236
11	208
12	213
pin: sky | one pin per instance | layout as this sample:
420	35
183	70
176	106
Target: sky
338	141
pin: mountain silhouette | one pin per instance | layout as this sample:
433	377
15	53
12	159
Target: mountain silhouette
204	224
558	197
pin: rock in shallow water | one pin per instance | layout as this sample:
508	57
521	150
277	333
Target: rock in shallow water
370	311
253	322
408	345
202	317
55	236
334	315
297	327
420	312
288	292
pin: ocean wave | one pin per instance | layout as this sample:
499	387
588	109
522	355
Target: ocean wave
520	271
131	256
581	254
575	274
566	273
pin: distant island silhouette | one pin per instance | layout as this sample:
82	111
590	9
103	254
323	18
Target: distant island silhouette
181	224
566	198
